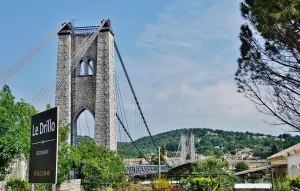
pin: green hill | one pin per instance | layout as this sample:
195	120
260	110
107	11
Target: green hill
213	142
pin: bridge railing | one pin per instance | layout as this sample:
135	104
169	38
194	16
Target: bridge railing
146	169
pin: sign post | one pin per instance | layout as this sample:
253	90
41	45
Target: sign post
44	148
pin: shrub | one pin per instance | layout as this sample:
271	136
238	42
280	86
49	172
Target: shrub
294	181
285	186
201	184
17	184
176	189
161	185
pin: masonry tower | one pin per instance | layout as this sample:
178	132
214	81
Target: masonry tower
91	85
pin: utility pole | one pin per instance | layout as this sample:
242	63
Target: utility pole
159	162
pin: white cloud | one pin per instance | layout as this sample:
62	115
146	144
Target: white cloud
188	69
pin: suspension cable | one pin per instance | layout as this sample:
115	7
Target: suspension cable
119	95
78	54
134	95
8	73
135	98
140	152
87	123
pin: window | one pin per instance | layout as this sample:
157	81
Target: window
90	68
82	68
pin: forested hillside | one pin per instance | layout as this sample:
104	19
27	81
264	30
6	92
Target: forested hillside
213	142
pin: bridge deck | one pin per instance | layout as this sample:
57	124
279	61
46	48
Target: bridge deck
145	169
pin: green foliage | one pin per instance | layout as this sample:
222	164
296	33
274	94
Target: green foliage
217	169
17	184
98	166
268	67
241	166
294	182
130	186
67	155
161	185
228	141
282	186
201	184
254	176
274	150
15	122
257	175
42	187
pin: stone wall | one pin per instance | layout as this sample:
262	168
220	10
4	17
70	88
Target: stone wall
19	170
71	185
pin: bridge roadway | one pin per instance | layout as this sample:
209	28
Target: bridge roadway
145	169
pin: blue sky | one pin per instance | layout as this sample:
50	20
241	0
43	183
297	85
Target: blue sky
180	54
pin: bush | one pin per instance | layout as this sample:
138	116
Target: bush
285	186
161	185
130	186
17	184
201	184
176	189
294	182
42	187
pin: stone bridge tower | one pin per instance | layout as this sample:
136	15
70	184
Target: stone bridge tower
91	85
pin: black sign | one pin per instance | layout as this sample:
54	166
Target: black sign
43	147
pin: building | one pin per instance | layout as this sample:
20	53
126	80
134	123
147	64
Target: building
135	161
252	164
287	162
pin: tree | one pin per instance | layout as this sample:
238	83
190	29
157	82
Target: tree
68	157
98	166
268	68
274	150
215	169
15	122
241	166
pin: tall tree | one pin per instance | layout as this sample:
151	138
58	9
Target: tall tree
269	64
15	122
274	150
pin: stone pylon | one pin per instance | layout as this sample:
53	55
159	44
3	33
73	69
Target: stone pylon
91	85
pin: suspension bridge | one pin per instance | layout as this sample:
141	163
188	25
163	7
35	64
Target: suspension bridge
86	80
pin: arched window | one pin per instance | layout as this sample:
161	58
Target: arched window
82	68
90	68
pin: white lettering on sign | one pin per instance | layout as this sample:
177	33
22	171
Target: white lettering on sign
44	152
48	127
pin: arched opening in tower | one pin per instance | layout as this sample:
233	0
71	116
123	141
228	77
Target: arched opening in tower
90	68
85	126
82	68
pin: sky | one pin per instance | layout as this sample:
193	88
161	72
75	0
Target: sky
180	54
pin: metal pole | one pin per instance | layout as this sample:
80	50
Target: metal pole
53	187
158	162
32	187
